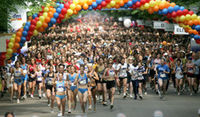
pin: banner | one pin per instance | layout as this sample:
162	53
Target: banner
17	19
169	27
179	30
140	22
149	23
158	25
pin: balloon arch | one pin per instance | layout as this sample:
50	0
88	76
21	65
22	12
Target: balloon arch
59	11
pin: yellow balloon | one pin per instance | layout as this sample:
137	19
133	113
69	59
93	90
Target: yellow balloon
198	17
48	5
8	56
152	3
72	6
194	16
187	17
142	8
177	19
67	16
117	0
9	51
108	6
69	12
146	5
14	35
45	14
112	3
35	32
75	1
182	18
12	40
158	2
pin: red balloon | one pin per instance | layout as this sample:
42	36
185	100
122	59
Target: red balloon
107	1
28	38
191	12
103	4
61	16
169	15
185	11
179	13
138	4
143	1
71	29
32	28
33	22
198	41
36	19
40	14
19	51
7	41
2	57
30	33
99	7
66	5
64	11
173	14
58	20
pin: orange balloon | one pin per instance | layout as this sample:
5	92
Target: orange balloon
167	5
16	46
81	2
150	10
78	7
21	29
41	29
125	1
85	6
164	43
50	9
195	32
156	8
17	39
89	2
94	0
121	3
190	31
54	10
196	22
19	34
117	6
47	19
14	50
162	5
44	25
190	22
75	12
172	4
50	14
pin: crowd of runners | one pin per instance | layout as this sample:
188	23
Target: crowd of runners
94	56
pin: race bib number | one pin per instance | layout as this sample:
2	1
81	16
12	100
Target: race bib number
162	75
83	82
39	79
25	71
60	89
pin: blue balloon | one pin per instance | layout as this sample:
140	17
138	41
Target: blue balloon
182	8
134	1
26	28
58	10
53	20
126	6
50	24
176	8
28	24
197	27
94	5
61	6
23	40
34	16
21	44
160	12
130	3
90	8
170	9
164	11
56	15
196	37
98	1
57	4
24	33
193	27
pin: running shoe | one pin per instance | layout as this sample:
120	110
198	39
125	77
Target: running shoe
179	93
32	96
140	96
69	111
105	103
111	106
49	105
44	95
59	114
90	107
131	96
124	95
18	101
40	97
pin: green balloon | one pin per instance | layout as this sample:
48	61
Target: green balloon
45	14
10	45
69	12
46	9
39	24
12	40
41	18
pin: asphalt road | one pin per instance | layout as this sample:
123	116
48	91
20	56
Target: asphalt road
173	106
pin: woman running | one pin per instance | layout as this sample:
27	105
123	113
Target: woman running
39	81
93	78
43	69
72	90
32	77
123	76
24	66
9	80
190	74
82	81
60	86
179	75
50	79
18	72
109	75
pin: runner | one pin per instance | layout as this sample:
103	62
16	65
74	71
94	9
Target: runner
72	88
162	74
123	76
190	74
82	82
60	86
2	78
93	78
109	75
39	81
18	73
24	66
50	79
32	78
179	76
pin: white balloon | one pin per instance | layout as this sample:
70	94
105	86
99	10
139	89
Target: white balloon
127	23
